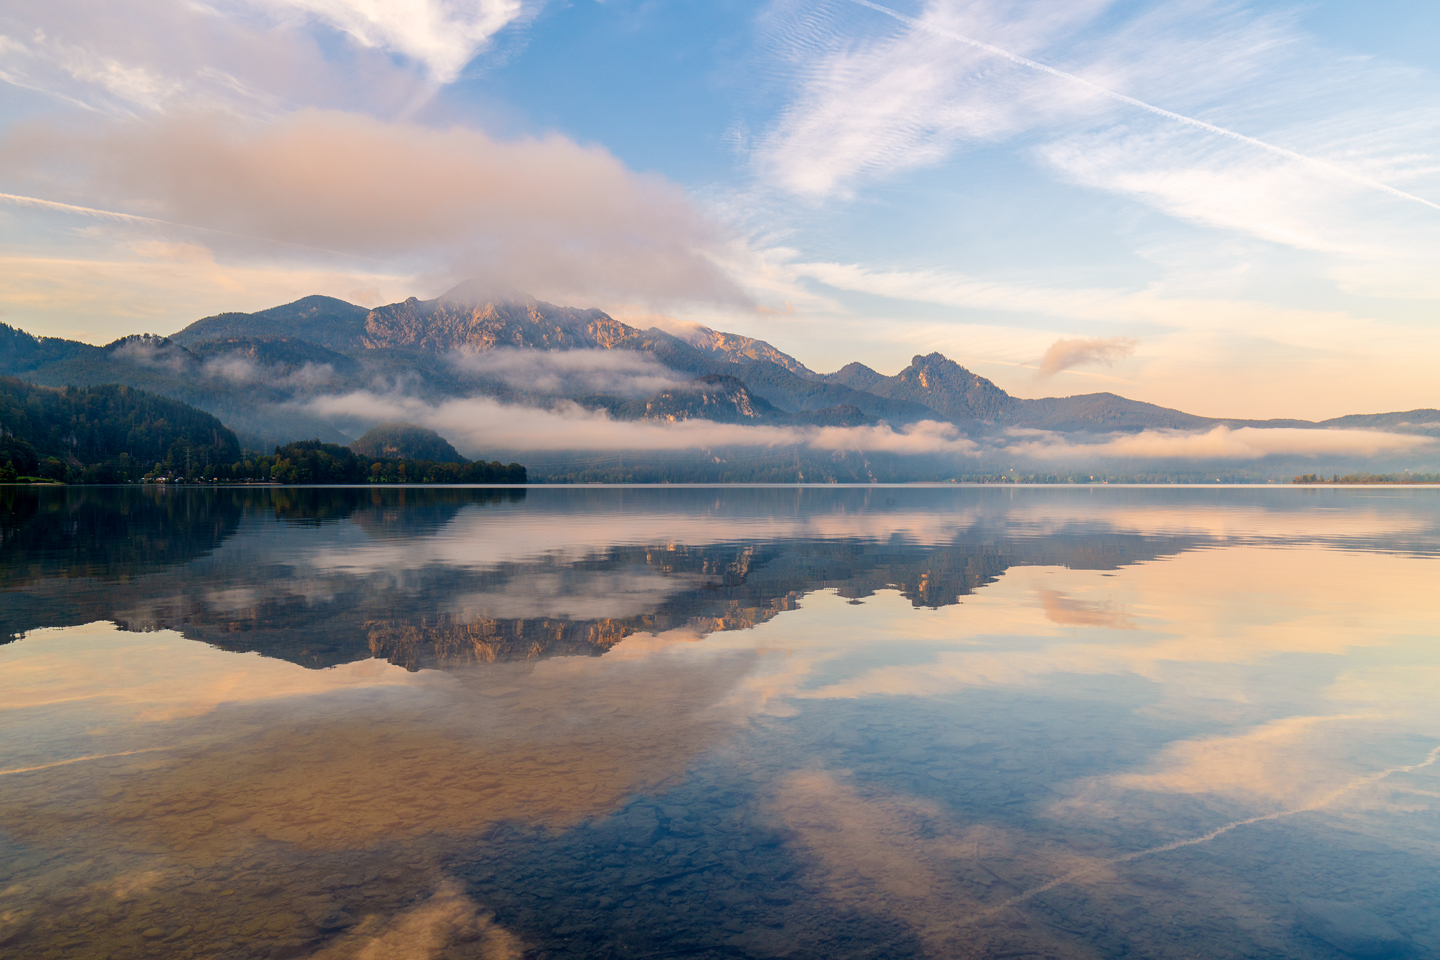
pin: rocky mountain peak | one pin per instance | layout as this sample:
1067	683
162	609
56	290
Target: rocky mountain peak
943	385
469	318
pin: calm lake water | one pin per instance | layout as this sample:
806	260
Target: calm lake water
720	723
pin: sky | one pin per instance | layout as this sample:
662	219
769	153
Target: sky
1232	208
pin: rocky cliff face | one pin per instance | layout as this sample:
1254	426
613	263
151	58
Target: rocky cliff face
943	385
938	383
714	397
447	324
734	348
445	642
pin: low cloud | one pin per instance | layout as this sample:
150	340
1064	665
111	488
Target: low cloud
572	372
478	425
239	369
545	215
153	352
1222	443
1077	351
233	367
481	424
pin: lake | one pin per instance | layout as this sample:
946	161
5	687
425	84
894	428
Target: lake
806	722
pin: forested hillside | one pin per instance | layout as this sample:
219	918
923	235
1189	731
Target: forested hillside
105	434
311	461
116	434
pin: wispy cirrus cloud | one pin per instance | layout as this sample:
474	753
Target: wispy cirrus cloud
1229	118
904	99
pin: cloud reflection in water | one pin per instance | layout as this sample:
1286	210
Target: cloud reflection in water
1072	723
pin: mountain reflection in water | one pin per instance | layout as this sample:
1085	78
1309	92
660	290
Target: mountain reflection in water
728	722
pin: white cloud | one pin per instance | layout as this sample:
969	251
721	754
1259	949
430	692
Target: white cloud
1150	305
1223	443
480	424
1227	186
1228	118
241	369
544	215
126	57
1077	351
251	56
905	99
442	34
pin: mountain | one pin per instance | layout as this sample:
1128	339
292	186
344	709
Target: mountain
325	321
255	400
783	388
1407	421
1101	413
406	441
286	356
936	382
269	374
456	321
942	386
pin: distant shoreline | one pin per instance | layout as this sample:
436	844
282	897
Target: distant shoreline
591	484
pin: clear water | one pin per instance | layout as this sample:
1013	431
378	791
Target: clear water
727	722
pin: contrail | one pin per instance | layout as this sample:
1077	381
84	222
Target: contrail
1150	107
93	756
133	218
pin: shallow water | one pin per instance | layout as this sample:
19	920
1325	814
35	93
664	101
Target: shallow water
720	722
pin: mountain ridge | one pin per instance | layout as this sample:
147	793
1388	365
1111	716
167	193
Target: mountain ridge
257	371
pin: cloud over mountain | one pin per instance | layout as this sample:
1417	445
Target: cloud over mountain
540	213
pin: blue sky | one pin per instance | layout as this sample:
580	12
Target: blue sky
1225	207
